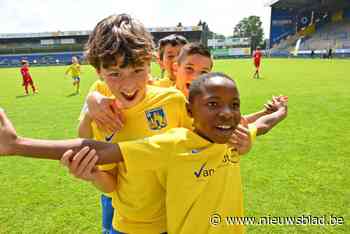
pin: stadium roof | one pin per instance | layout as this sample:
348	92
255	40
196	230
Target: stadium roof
328	5
86	33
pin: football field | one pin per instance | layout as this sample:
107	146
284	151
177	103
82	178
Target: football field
300	170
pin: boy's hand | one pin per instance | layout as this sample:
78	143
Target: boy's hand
106	112
241	140
275	104
8	135
81	165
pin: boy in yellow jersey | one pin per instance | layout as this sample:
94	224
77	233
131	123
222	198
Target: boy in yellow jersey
147	110
197	61
202	172
120	49
74	70
168	49
157	110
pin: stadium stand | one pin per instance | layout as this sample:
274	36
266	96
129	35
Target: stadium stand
54	48
334	35
299	27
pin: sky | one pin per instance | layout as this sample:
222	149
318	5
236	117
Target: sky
25	16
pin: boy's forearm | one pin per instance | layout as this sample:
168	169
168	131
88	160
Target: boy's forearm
251	118
54	149
84	128
105	182
267	122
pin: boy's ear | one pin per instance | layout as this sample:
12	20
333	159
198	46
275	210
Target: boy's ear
98	72
189	110
159	61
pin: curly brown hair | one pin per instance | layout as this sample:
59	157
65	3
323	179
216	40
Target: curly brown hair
119	37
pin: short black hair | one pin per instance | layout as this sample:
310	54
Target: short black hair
196	85
173	40
193	49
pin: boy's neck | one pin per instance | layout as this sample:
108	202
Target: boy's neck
204	137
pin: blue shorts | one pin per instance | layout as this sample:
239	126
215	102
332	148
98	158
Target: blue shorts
76	79
107	214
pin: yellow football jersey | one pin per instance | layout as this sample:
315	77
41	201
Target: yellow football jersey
203	179
165	82
139	199
74	70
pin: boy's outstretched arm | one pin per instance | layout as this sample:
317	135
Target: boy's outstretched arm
269	108
11	144
266	123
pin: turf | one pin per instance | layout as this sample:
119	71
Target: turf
300	168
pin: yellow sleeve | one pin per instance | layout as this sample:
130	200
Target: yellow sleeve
252	130
95	86
185	120
107	167
68	69
148	154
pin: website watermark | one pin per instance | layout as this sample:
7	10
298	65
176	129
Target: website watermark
216	220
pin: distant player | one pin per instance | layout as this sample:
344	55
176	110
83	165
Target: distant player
74	70
27	79
257	55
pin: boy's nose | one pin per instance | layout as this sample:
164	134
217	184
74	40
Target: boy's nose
226	113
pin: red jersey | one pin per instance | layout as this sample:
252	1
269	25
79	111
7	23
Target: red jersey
25	72
257	55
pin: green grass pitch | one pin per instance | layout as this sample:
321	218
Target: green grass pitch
302	167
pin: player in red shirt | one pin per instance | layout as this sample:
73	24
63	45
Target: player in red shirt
257	59
27	79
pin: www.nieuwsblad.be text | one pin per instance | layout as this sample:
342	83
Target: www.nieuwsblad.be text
217	219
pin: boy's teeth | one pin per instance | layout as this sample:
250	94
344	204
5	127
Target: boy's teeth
129	94
224	126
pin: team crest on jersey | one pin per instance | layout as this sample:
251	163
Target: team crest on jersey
156	118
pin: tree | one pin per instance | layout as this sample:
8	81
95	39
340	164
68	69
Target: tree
250	27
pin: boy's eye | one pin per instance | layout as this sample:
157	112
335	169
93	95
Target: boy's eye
235	105
189	69
212	104
114	74
139	70
204	72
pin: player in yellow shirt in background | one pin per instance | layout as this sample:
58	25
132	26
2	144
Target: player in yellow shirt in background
169	48
202	171
74	70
